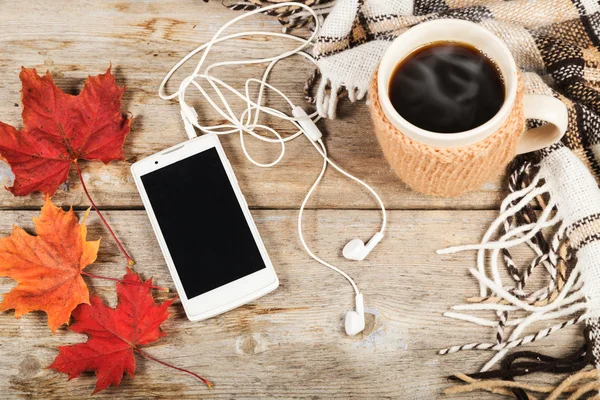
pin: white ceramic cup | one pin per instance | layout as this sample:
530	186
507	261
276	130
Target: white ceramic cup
545	108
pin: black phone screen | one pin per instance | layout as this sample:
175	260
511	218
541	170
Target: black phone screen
202	223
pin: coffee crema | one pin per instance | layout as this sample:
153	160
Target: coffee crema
447	87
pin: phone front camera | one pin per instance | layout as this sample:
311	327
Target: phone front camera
155	162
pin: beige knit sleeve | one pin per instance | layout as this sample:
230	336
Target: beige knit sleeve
447	172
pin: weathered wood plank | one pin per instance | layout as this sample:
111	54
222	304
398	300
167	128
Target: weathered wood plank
289	344
143	40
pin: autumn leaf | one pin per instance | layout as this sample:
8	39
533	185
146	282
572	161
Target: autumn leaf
59	128
114	334
48	266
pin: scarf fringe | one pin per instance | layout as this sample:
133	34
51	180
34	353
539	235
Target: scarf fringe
290	17
561	298
329	93
327	98
501	381
579	385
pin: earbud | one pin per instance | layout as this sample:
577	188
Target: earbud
357	250
355	320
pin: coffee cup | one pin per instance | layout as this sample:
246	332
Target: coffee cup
448	164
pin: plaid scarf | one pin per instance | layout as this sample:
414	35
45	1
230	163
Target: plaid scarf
556	45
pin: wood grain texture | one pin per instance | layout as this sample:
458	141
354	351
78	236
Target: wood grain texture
289	344
143	40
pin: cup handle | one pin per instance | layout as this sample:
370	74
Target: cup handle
546	108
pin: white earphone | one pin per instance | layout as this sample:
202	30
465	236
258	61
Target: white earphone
355	320
357	250
248	122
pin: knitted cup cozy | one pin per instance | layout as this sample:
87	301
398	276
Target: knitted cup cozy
447	172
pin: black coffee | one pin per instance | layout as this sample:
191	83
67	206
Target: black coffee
447	87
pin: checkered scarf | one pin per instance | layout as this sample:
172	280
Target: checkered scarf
556	45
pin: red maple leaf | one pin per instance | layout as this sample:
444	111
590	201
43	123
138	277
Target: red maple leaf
114	334
59	128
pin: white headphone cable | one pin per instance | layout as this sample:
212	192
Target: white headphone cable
326	159
248	120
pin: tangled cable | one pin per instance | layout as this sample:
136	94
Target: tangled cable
248	121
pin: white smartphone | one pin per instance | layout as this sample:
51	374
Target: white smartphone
204	227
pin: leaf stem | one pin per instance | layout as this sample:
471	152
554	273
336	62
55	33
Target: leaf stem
124	282
129	259
148	356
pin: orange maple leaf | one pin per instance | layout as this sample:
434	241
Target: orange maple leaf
48	266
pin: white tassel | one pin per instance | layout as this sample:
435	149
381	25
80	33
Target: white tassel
326	98
505	346
539	225
574	194
569	296
486	322
500	291
322	98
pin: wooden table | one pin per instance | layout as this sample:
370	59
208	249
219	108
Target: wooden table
289	344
